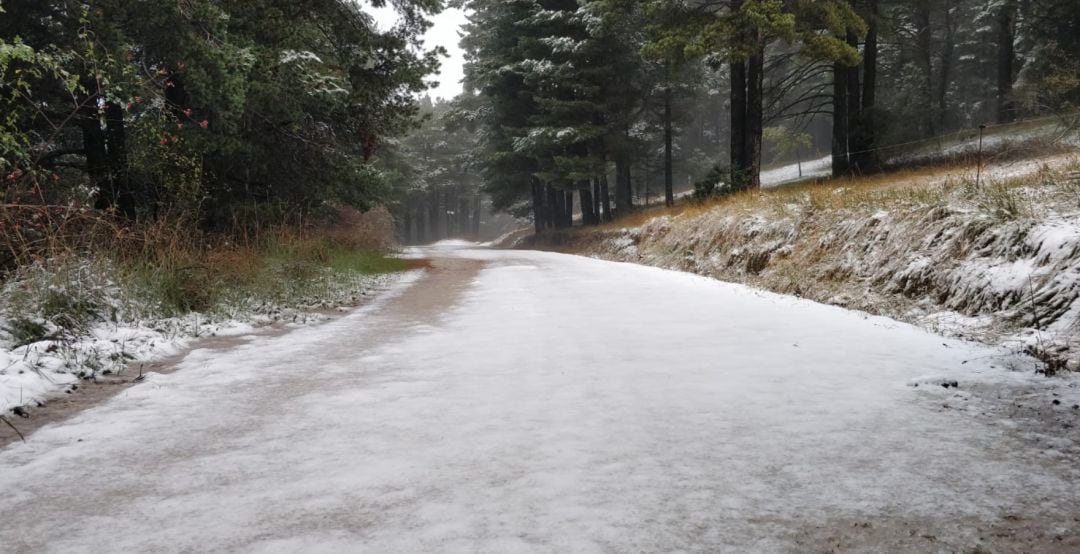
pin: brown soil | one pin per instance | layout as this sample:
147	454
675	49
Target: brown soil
1011	533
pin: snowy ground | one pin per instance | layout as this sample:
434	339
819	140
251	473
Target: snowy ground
776	177
31	374
779	176
822	167
557	404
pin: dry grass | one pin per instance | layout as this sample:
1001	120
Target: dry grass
918	186
178	268
844	191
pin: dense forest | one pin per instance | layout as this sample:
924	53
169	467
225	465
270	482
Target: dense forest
224	114
231	114
593	107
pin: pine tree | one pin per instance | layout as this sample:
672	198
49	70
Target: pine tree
207	105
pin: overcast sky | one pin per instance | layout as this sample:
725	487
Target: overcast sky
445	34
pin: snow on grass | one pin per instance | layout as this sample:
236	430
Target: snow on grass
785	175
1017	136
821	167
60	325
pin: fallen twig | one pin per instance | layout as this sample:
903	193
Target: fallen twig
13	428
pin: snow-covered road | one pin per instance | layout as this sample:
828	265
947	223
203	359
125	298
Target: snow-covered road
514	401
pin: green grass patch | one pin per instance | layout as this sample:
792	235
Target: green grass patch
366	262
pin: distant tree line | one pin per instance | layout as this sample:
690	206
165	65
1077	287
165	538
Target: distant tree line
432	169
587	106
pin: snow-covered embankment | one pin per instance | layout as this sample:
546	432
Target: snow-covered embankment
998	263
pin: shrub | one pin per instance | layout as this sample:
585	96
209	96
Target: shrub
24	331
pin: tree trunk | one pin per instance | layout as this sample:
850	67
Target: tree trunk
669	171
738	131
1006	54
646	178
549	206
539	218
560	209
97	162
755	114
478	210
464	217
840	120
554	208
624	194
738	125
568	208
588	215
870	57
866	158
605	198
116	147
854	92
435	223
598	215
945	78
448	223
855	126
924	50
421	224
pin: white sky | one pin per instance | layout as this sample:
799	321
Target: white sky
444	33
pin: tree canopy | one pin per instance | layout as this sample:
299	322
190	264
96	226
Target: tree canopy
223	107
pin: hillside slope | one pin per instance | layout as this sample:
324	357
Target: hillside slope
997	261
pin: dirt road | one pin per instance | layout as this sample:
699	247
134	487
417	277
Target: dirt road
533	402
